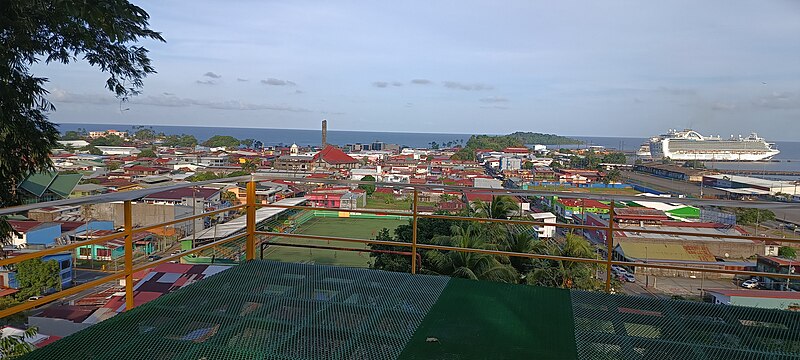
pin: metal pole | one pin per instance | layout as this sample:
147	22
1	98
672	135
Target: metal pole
610	244
414	234
128	255
250	247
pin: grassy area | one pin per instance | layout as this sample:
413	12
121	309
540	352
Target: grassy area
336	227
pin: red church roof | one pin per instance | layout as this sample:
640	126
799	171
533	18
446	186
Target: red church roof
334	156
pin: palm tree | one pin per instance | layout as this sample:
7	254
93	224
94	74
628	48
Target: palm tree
501	207
16	345
521	242
467	265
566	274
249	165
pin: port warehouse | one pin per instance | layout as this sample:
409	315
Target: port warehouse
734	184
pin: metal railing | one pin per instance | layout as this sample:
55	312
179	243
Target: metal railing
251	231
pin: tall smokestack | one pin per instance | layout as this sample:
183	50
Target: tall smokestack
324	133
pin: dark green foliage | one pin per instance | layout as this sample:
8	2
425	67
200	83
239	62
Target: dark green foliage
544	139
181	140
147	153
612	176
501	207
37	277
787	252
566	274
222	141
469	265
753	216
58	31
108	140
144	133
71	135
15	345
93	150
369	188
476	142
249	166
389	262
248	143
614	158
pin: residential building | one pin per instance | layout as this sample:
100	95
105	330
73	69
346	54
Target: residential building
47	186
118	150
778	265
143	242
303	163
34	233
566	208
544	231
333	157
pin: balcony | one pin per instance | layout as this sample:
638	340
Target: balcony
276	305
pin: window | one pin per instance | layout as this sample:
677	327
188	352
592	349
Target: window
85	251
104	253
64	264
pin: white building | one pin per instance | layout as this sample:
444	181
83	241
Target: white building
510	163
546	231
118	150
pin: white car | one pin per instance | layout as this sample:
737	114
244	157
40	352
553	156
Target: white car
750	284
629	277
619	270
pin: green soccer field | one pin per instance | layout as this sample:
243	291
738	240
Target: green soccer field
336	227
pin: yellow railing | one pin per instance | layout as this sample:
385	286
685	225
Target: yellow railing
251	233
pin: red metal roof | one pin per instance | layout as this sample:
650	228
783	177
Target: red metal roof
472	196
6	292
23	226
72	313
590	203
333	155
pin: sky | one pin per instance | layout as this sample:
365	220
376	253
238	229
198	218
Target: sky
588	68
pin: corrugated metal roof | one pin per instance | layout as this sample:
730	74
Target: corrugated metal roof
239	224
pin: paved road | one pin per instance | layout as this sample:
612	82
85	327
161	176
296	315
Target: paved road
687	286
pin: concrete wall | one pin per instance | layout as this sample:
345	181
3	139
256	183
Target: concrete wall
146	214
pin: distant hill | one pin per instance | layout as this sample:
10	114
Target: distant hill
544	139
500	142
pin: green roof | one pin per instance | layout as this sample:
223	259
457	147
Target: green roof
273	310
64	184
37	184
59	184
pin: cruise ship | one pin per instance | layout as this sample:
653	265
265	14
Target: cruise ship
688	144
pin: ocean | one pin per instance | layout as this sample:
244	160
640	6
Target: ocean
788	159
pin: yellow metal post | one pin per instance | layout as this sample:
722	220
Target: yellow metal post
250	247
414	234
128	231
610	244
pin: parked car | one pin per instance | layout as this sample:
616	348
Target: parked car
750	284
629	277
153	257
34	298
619	270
